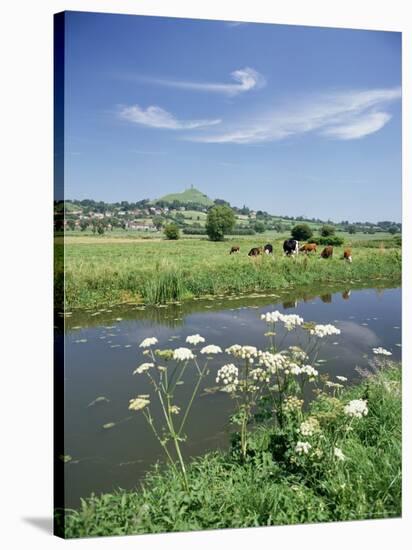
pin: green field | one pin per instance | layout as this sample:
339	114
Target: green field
266	489
122	267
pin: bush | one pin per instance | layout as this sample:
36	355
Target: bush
259	227
172	232
302	232
325	241
220	220
352	229
194	231
327	231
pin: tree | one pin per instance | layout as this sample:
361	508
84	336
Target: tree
327	230
84	225
100	229
220	220
352	229
71	224
393	230
172	232
302	232
158	222
259	227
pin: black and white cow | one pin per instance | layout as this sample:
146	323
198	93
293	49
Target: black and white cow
291	246
268	249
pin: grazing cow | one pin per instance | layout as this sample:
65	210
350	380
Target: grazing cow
308	247
347	255
268	249
291	246
234	249
327	252
255	251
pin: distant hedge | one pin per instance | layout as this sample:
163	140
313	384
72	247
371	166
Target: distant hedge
332	240
202	231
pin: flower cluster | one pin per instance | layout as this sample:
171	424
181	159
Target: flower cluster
302	447
290	321
143	368
260	375
356	408
229	376
139	402
272	361
182	354
147	342
243	352
338	453
309	371
330	384
324	330
309	426
342	378
195	339
297	354
381	351
211	349
292	403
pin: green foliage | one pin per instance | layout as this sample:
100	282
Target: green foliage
172	232
302	232
334	240
393	230
327	231
100	229
259	227
352	229
220	220
263	490
187	197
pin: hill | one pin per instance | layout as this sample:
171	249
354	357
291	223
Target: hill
189	196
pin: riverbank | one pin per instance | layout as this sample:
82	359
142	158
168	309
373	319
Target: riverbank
153	272
270	488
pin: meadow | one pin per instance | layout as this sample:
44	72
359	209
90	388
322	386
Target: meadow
267	489
122	267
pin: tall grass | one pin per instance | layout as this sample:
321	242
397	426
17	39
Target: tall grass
266	489
158	272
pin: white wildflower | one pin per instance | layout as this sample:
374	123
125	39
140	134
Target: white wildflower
147	342
330	384
272	361
297	353
243	352
356	408
324	330
174	409
271	316
302	447
342	378
309	426
260	375
211	349
182	354
195	339
228	375
143	368
338	453
290	321
309	371
139	402
292	403
381	351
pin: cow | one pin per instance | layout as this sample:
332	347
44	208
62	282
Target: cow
234	249
308	247
291	246
255	251
347	255
268	249
327	252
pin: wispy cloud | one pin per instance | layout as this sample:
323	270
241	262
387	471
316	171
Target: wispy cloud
340	115
156	117
244	80
235	23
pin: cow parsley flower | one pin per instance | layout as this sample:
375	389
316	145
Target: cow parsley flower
338	453
243	352
143	368
342	378
292	403
381	351
211	349
297	354
292	321
147	342
182	354
272	361
271	316
174	409
309	426
302	447
195	339
324	330
228	375
356	408
139	402
330	384
260	375
309	371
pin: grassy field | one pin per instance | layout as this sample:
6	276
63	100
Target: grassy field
267	489
114	269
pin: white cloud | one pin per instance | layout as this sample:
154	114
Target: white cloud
245	79
341	115
156	117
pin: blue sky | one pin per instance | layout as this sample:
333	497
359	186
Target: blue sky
292	120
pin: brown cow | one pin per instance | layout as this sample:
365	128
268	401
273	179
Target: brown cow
308	247
347	255
255	251
327	252
234	249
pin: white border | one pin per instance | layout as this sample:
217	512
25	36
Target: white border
26	272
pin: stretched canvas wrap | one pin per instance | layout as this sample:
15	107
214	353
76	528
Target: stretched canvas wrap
227	274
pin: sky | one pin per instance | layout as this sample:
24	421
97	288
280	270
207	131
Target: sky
298	121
